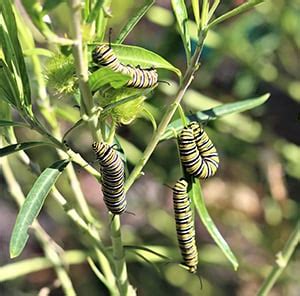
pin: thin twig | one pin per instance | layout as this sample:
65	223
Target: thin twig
283	258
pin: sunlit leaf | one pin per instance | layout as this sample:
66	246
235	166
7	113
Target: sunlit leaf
16	55
20	146
138	56
195	5
180	11
133	21
216	112
198	200
8	86
33	205
11	123
105	76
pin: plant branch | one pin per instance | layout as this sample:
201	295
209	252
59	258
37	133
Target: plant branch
80	63
283	258
87	103
81	67
185	83
119	257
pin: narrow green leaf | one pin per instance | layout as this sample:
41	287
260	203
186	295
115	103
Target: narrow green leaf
198	200
33	205
149	115
17	54
196	10
8	86
102	19
216	112
138	56
133	21
180	11
95	11
20	146
136	248
12	123
236	11
105	76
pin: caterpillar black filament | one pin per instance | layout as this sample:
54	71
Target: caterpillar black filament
112	172
197	152
104	56
185	225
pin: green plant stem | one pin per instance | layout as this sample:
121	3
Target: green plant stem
98	273
110	280
49	246
117	246
18	269
119	257
81	66
76	157
283	258
238	10
105	259
185	83
82	74
76	218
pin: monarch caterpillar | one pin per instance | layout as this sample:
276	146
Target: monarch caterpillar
197	152
184	225
112	171
103	55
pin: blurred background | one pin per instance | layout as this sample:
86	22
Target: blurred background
253	199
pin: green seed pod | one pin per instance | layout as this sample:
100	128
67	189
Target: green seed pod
122	105
60	74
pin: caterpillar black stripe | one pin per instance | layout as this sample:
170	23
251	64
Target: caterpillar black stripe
197	152
112	172
184	225
104	56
